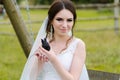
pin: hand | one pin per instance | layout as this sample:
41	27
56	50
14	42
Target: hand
50	54
41	56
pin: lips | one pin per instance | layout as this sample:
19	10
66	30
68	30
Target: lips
63	30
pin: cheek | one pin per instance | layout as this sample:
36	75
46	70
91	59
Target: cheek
56	27
70	26
55	23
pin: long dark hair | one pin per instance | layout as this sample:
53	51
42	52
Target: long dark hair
56	7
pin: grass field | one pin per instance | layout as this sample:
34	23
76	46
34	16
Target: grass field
102	46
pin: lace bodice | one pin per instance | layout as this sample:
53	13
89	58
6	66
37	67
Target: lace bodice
49	73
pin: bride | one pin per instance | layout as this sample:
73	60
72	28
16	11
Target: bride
62	55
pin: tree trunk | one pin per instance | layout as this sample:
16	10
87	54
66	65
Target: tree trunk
19	26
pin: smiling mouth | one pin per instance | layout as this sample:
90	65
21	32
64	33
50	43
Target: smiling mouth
64	30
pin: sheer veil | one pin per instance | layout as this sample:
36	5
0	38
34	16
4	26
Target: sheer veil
31	61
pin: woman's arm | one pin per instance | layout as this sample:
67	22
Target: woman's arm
36	64
36	68
78	60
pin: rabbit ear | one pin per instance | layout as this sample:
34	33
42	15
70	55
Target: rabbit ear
42	41
45	40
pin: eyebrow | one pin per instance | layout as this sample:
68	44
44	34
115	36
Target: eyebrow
62	18
70	18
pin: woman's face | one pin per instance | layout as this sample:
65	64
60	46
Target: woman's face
63	22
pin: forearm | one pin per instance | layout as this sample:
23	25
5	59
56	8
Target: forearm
64	74
36	68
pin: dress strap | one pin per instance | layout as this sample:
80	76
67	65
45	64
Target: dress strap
73	45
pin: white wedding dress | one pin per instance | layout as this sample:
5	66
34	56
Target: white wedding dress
49	73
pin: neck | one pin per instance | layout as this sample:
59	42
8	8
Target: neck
61	38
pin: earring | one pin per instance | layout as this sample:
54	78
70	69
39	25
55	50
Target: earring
51	32
70	33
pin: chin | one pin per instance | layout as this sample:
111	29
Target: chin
63	34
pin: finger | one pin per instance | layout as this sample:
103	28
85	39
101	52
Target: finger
44	58
40	56
43	50
44	53
47	59
37	54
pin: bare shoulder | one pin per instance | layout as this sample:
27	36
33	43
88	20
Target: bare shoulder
80	51
80	42
80	47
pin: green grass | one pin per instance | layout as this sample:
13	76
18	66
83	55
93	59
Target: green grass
102	46
102	50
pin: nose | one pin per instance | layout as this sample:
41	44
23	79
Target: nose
64	24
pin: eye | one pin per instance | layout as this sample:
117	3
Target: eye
59	19
69	20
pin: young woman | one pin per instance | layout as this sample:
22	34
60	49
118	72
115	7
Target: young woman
66	58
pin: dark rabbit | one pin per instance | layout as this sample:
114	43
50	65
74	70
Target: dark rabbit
45	44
